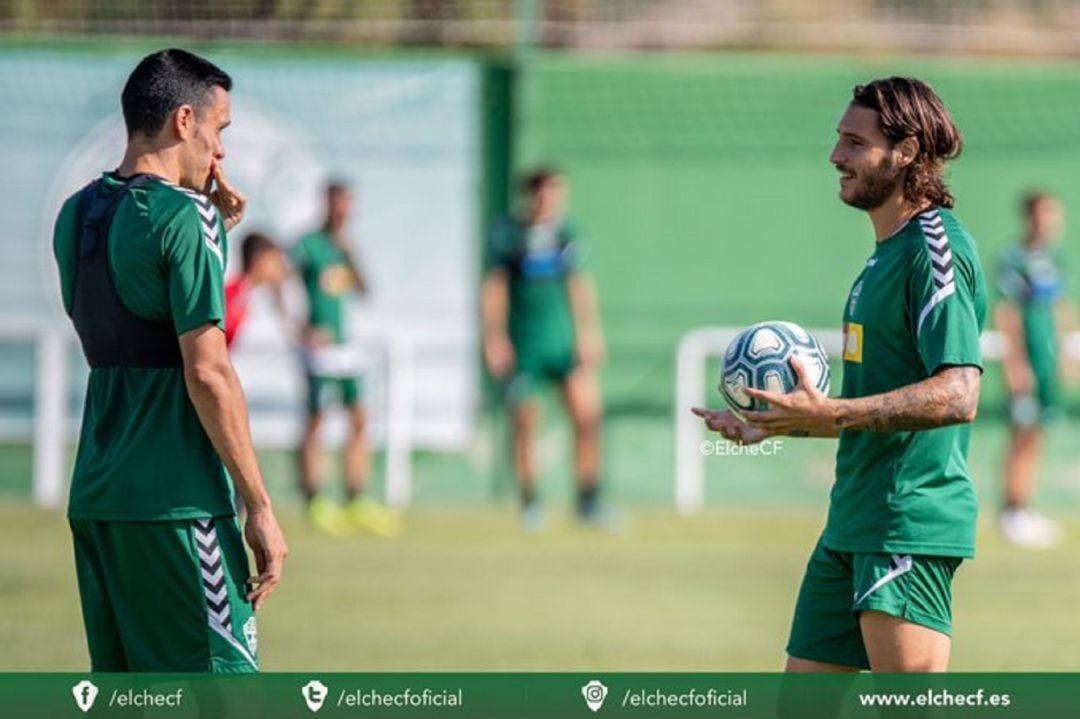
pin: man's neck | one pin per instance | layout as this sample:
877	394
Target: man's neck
139	161
892	215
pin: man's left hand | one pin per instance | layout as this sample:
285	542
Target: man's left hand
229	201
802	410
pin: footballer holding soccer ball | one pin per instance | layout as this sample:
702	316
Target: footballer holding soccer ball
760	357
877	592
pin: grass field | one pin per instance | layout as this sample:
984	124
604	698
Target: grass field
467	590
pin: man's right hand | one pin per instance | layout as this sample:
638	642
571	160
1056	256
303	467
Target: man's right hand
264	536
499	355
731	427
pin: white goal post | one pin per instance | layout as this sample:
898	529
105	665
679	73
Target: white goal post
694	351
51	429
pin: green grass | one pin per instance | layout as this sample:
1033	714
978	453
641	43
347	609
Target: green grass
467	590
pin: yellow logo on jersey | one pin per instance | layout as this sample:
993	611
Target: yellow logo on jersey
335	280
852	342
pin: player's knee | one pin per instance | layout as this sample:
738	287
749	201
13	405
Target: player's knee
357	423
526	417
587	424
314	423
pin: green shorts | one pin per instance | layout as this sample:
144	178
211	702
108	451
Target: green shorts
536	368
1044	405
839	585
322	391
165	596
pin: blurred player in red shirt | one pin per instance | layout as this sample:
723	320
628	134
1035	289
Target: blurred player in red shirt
263	263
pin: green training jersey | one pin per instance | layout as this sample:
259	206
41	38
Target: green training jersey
324	269
1034	279
143	453
919	304
537	260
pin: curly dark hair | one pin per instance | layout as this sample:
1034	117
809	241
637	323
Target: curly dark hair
908	107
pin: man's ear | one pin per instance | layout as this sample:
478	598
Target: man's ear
906	151
183	122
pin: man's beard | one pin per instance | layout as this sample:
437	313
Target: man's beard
876	188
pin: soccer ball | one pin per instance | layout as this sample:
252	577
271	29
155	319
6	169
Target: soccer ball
758	357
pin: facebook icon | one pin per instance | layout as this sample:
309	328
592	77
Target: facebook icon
85	693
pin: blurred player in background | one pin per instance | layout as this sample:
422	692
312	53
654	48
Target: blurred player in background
262	265
330	275
877	592
1033	314
141	252
540	325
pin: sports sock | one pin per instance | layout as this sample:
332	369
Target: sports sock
587	497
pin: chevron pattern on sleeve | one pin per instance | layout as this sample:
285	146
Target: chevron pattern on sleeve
208	220
941	261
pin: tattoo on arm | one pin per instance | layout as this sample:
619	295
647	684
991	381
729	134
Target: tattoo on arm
951	396
829	432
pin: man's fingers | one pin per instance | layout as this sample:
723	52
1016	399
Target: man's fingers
773	399
802	379
715	421
265	584
218	173
772	422
225	193
732	434
763	419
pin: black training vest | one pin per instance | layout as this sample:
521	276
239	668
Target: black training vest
110	333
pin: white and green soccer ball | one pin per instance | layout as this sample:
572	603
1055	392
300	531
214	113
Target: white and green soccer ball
759	357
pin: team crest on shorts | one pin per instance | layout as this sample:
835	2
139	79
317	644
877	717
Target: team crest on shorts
251	635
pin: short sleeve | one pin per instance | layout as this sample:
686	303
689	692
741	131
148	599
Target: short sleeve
65	241
1009	280
195	268
499	247
575	256
942	291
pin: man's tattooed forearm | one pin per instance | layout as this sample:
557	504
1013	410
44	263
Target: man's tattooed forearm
949	397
